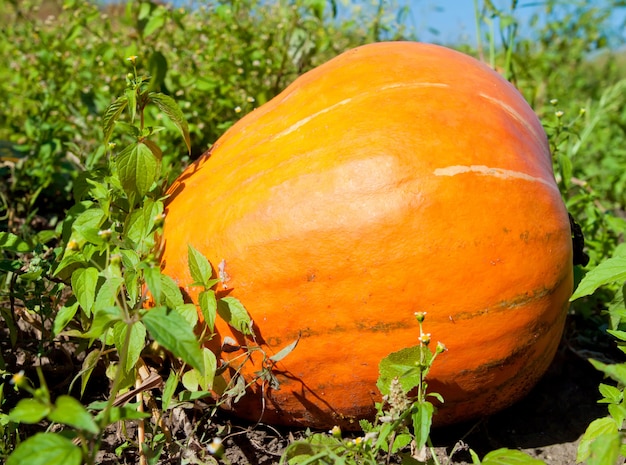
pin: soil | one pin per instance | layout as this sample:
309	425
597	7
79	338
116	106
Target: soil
547	424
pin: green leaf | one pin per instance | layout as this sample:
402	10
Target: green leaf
208	307
137	168
171	292
90	362
615	371
510	457
29	411
108	292
422	421
174	333
111	114
610	393
157	64
404	365
84	282
69	411
154	281
13	243
609	271
605	450
199	266
46	449
169	106
104	317
137	342
234	313
193	379
189	312
169	388
64	316
156	22
284	351
597	428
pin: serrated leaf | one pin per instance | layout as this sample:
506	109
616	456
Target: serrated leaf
111	114
609	271
233	312
69	411
510	457
137	340
29	411
208	307
596	428
169	106
84	282
189	312
137	169
46	449
199	267
174	333
108	292
403	365
13	243
171	292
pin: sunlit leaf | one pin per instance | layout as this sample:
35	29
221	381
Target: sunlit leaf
609	271
111	114
174	333
169	106
46	449
69	411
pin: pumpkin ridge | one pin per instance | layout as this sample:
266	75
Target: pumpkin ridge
484	170
539	140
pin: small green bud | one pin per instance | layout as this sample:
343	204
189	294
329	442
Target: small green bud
421	316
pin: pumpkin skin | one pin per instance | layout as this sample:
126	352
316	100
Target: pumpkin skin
398	177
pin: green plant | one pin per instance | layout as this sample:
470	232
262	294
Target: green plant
604	440
109	261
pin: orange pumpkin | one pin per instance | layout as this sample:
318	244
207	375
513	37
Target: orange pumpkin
398	177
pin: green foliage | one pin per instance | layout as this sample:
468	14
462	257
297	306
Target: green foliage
104	105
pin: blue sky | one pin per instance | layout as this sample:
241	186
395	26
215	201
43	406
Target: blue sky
455	19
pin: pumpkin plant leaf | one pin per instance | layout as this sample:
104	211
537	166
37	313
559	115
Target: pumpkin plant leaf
173	332
46	449
111	114
609	271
